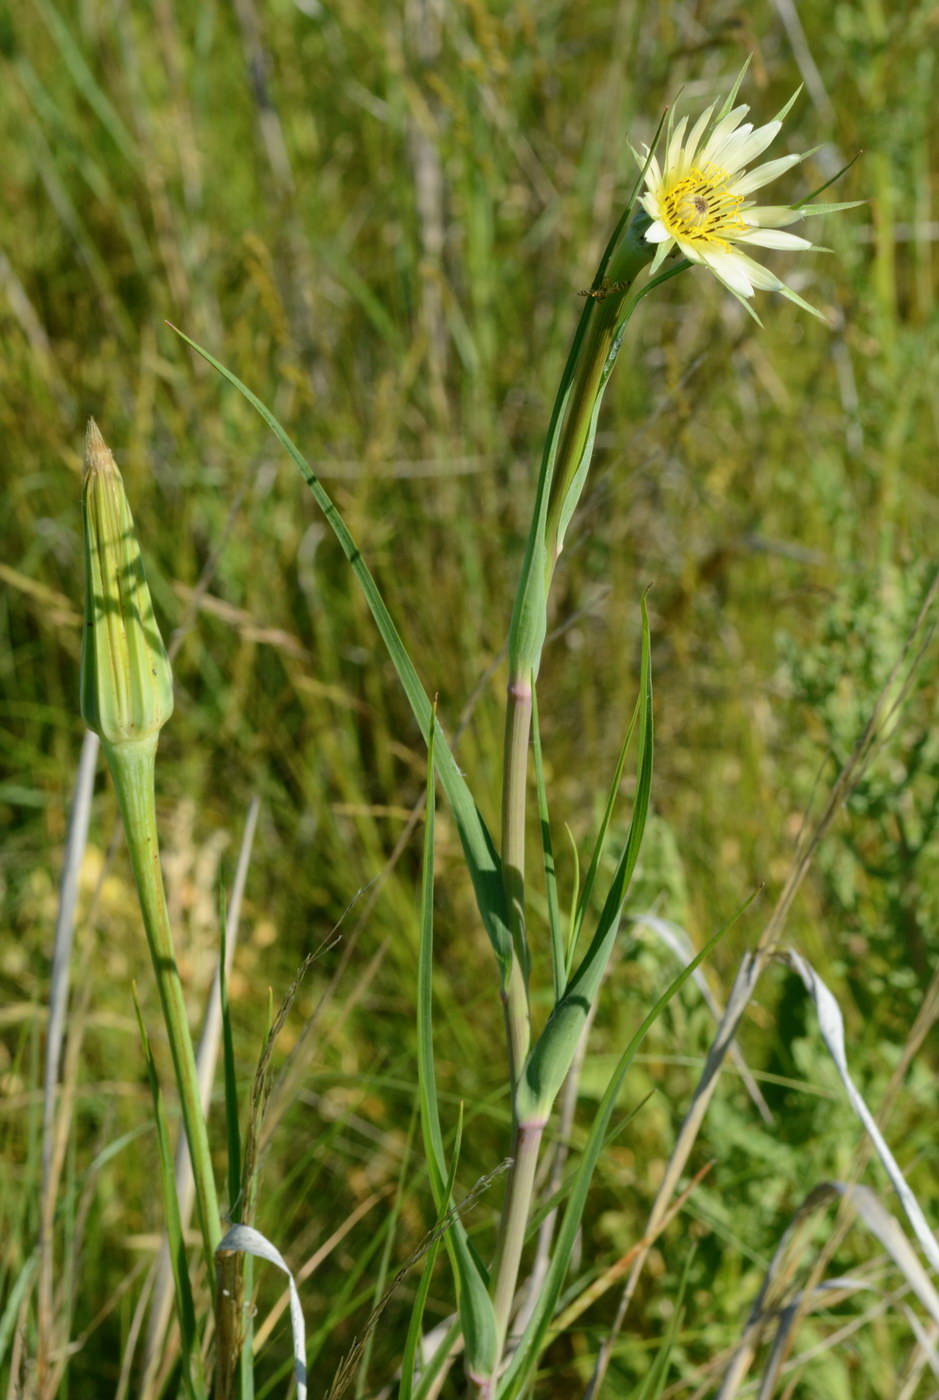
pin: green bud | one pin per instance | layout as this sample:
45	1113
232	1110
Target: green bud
126	681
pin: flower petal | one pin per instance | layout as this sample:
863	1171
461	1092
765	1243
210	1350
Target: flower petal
742	149
656	232
722	130
697	131
732	269
762	174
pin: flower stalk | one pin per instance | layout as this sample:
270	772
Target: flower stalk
695	207
126	698
566	461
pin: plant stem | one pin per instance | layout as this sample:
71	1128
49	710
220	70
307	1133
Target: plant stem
515	1211
514	778
132	766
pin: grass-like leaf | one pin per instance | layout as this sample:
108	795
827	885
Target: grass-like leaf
193	1379
476	1312
551	1057
526	1355
558	968
481	856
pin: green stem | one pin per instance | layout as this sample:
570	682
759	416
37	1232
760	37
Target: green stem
592	370
514	778
132	766
515	1212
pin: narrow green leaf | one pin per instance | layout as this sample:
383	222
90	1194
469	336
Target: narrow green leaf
11	1308
438	1360
476	1311
529	1347
550	875
479	849
583	902
416	1325
193	1378
551	1056
384	1263
232	1130
654	1383
413	1339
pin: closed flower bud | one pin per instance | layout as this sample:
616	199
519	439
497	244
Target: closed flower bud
126	681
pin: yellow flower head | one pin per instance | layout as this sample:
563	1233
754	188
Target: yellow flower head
699	199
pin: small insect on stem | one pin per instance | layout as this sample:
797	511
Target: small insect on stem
605	289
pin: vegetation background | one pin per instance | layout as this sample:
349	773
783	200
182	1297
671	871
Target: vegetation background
379	215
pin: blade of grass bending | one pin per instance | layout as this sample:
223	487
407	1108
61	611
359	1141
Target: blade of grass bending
481	856
244	1239
193	1379
475	1305
528	1349
552	1055
550	876
831	1027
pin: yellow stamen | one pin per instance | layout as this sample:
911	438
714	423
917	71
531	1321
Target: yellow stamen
698	210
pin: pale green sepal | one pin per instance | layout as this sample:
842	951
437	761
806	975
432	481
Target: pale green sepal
794	297
126	680
808	210
731	97
809	198
783	112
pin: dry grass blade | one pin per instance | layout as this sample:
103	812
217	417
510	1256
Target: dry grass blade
55	1127
678	941
831	1025
782	1303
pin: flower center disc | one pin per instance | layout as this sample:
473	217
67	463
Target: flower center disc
699	210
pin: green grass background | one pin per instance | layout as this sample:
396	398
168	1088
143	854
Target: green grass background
379	216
